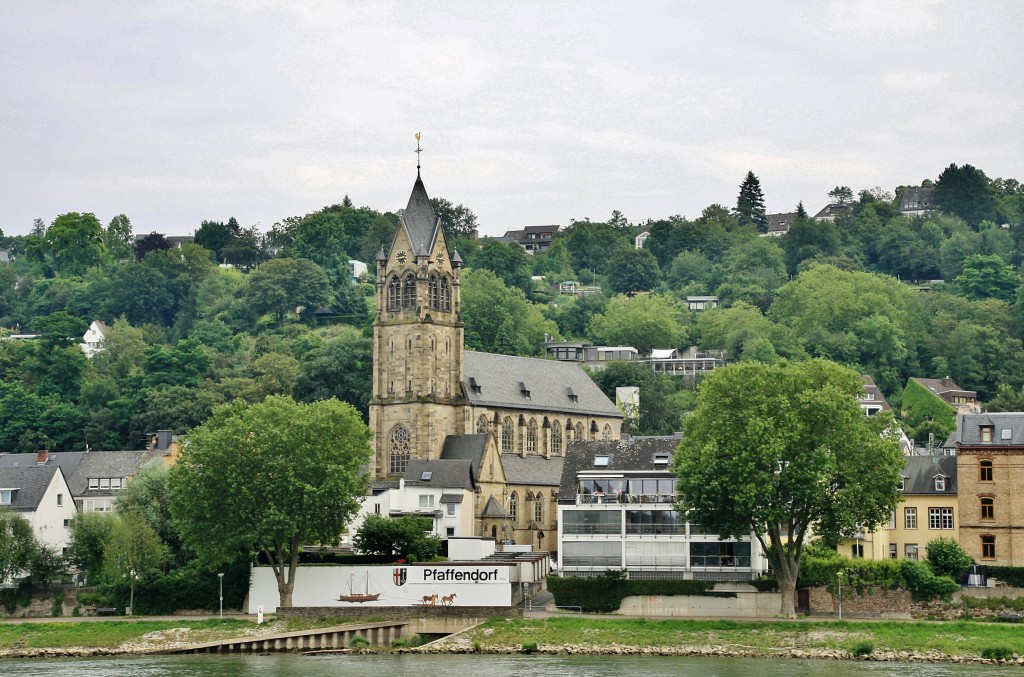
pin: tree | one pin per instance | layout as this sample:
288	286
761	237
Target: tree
214	235
965	191
75	243
270	477
119	239
984	277
405	538
841	195
341	367
644	322
280	286
153	242
750	204
946	557
17	545
774	451
148	497
132	551
456	220
632	270
507	260
89	534
499	318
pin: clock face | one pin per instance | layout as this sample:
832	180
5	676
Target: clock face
400	256
440	258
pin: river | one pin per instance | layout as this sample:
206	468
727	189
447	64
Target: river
397	665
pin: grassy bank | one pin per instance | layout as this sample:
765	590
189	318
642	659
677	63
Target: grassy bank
952	639
113	634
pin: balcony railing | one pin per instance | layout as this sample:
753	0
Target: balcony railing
609	499
591	529
719	561
655	529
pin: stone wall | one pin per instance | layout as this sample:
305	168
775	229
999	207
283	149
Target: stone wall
743	605
872	602
426	620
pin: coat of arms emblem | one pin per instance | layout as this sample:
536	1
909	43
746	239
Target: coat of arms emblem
400	574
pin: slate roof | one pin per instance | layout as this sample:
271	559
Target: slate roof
830	211
497	379
633	454
968	429
915	199
444	474
920	471
31	483
943	387
102	464
67	461
871	389
535	470
779	223
494	510
466	448
420	223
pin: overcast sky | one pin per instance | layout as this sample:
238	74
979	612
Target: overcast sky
531	113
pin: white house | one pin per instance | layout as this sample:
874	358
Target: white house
41	495
93	338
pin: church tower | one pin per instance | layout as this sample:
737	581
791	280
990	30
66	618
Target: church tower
417	343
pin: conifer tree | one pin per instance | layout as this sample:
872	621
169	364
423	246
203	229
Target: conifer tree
750	204
801	213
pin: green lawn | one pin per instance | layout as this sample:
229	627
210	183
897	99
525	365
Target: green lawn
954	639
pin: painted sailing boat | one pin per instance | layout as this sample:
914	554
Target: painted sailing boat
359	596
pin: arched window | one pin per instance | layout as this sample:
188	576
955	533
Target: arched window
399	450
538	508
481	424
985	471
506	435
513	506
446	295
556	438
568	431
579	432
988	508
394	293
606	433
531	437
409	291
432	292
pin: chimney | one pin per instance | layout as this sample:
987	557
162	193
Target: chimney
163	440
42	456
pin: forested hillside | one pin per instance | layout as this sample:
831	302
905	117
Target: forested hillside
244	314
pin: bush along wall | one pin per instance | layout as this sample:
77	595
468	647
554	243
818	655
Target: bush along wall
190	587
605	593
861	574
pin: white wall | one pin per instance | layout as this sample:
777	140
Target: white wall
321	586
48	519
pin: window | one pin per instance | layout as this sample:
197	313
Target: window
507	435
449	509
579	431
94	483
513	506
60	499
940	483
409	291
857	551
988	508
531	437
426	500
903	483
432	293
606	432
394	293
601	461
1006	434
376	508
892	520
481	424
910	518
556	438
538	508
910	551
399	450
6	496
104	483
988	547
940	518
446	295
449	532
67	523
98	505
986	433
985	471
892	551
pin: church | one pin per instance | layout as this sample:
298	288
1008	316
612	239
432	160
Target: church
440	406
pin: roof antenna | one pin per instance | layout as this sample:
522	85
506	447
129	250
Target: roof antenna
418	151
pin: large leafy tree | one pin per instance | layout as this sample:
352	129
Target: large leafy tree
119	238
507	260
750	204
270	477
282	285
985	277
643	322
965	191
633	270
75	242
17	545
456	220
776	451
405	537
132	551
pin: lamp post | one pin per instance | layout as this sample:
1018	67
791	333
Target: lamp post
839	575
220	577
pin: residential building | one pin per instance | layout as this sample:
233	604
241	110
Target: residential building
40	494
432	399
778	224
963	401
617	510
641	239
534	239
830	211
688	363
699	303
917	201
93	338
588	353
990	465
930	507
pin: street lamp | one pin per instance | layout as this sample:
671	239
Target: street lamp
221	578
839	575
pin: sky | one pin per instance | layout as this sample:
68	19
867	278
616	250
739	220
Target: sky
530	112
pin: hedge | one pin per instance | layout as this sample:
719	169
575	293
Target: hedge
1010	575
190	587
859	574
605	593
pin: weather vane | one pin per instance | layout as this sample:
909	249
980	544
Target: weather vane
418	151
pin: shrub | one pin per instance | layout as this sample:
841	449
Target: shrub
359	642
529	647
766	585
863	649
946	557
923	584
605	593
58	604
997	653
